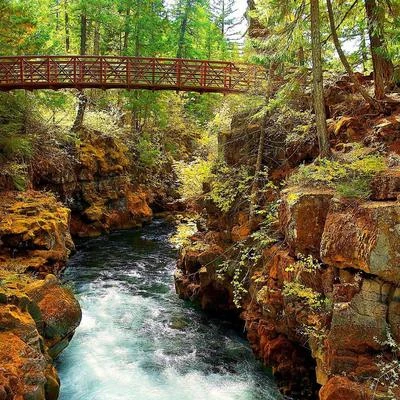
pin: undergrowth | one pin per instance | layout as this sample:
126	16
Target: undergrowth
350	178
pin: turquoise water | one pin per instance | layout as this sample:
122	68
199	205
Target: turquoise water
139	341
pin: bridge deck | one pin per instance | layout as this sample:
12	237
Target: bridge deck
80	72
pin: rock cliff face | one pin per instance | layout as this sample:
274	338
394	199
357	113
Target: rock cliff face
321	306
38	316
96	185
34	233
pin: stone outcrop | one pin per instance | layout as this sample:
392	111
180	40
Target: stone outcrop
37	320
105	197
38	316
97	185
350	332
196	279
34	232
365	237
302	218
329	325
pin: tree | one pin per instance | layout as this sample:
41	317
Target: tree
81	98
186	8
224	13
383	66
67	27
318	85
344	60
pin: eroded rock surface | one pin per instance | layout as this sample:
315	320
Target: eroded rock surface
38	316
331	322
34	232
37	320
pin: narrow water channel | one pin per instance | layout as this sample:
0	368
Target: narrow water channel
139	341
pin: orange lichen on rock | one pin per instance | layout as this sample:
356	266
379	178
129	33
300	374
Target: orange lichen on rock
37	319
104	197
34	232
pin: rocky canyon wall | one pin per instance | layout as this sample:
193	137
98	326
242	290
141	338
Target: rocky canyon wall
321	304
38	316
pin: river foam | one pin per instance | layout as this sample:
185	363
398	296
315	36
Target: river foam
138	341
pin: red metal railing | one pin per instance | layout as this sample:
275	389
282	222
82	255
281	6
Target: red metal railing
80	72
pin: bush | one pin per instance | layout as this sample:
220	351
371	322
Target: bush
229	185
17	174
350	178
149	154
192	176
358	188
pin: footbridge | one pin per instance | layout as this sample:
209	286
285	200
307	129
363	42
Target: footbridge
151	73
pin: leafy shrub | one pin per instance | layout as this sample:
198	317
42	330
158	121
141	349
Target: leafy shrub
17	173
247	254
149	153
192	176
14	114
359	188
229	185
351	178
184	231
304	263
389	367
298	291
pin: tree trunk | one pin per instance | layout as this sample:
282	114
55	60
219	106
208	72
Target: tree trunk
83	34
256	180
57	15
372	102
183	29
80	114
383	66
126	31
318	85
301	56
223	19
82	99
96	38
67	29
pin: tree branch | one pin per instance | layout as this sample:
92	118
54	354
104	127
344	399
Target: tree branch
341	22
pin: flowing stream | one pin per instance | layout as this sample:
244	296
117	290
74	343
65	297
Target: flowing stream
139	341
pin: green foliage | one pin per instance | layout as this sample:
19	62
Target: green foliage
184	230
149	153
297	291
304	263
103	122
247	254
351	177
14	115
193	176
357	188
229	185
17	173
389	367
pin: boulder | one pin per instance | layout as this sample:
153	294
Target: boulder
302	217
364	237
386	185
34	232
60	312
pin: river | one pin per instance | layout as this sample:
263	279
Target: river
138	340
